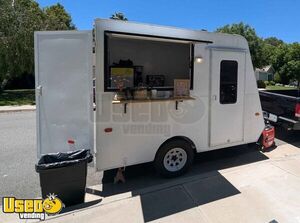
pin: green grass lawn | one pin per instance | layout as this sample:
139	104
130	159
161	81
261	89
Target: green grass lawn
17	97
273	87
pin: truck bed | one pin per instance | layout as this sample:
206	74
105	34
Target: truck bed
281	103
292	93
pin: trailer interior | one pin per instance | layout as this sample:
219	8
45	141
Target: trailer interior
146	61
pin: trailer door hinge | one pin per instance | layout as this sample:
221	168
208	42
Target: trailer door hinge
38	90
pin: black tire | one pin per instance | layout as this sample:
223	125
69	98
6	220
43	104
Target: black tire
165	148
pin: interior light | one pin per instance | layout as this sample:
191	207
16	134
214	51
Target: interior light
199	59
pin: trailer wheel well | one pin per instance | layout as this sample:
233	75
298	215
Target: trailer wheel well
184	138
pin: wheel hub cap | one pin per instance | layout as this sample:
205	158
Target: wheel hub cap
175	159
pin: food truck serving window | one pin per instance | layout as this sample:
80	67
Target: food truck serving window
133	61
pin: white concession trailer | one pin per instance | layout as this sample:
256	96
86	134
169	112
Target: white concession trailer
222	110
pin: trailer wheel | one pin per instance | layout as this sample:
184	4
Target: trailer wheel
174	158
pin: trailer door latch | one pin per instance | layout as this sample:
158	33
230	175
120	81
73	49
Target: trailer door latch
38	90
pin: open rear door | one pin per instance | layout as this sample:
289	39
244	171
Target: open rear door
63	72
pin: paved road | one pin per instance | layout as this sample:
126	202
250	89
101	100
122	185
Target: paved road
18	156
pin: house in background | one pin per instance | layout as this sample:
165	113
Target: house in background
265	74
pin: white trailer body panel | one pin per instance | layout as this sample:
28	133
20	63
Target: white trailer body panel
63	67
137	134
64	92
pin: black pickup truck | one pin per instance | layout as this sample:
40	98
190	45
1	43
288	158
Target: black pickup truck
281	107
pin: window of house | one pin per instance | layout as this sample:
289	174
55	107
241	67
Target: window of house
228	81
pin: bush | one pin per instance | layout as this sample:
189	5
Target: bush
267	83
24	81
277	78
261	84
272	83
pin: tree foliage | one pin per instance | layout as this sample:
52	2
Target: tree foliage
287	62
273	41
18	21
119	16
57	18
17	24
255	43
285	58
270	48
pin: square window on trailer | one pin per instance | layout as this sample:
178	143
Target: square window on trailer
146	61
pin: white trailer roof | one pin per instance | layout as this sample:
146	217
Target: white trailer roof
216	39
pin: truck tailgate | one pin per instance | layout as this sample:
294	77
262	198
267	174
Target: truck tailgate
279	104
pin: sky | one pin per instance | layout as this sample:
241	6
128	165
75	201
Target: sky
278	18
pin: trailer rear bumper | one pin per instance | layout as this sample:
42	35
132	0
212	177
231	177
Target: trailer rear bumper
287	123
290	124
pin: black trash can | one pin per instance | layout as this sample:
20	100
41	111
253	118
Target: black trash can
64	174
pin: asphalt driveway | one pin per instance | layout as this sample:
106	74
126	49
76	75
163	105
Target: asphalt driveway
18	156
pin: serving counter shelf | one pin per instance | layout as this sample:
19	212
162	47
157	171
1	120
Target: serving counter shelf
150	100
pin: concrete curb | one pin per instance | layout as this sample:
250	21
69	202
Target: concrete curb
8	109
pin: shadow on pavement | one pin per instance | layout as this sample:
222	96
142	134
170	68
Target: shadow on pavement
191	194
290	137
202	184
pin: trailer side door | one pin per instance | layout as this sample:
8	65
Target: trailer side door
227	97
63	71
